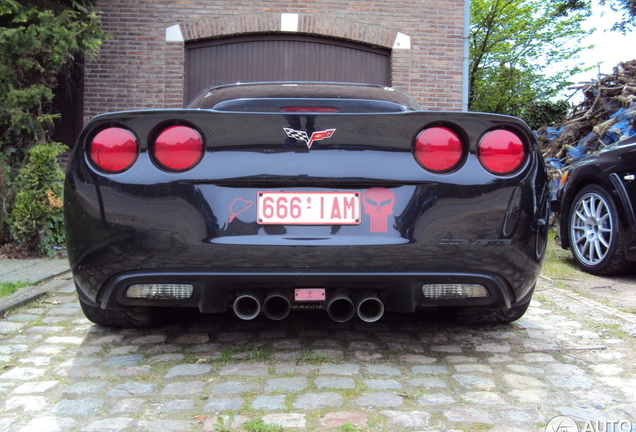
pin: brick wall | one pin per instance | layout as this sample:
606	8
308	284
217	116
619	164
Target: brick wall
138	69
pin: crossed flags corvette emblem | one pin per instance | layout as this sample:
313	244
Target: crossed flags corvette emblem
302	135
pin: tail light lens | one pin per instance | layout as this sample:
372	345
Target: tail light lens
501	151
114	149
178	148
438	149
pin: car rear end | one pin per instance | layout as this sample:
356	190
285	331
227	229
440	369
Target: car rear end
316	202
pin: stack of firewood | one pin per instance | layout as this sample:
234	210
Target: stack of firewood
606	116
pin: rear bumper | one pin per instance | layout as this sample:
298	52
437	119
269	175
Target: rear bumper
208	234
215	291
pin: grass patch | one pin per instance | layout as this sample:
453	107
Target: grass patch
226	356
480	427
313	358
262	353
258	425
558	262
614	331
544	300
348	427
223	425
8	288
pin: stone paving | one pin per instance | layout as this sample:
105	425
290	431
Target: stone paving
568	356
32	270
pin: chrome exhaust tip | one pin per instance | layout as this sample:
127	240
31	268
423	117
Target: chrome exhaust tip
340	308
276	306
247	306
369	308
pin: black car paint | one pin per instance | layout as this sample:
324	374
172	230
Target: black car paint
607	168
149	225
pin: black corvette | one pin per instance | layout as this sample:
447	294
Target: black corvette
596	209
264	197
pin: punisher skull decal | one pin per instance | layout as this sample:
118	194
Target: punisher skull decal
378	204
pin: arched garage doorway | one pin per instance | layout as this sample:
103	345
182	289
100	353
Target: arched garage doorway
282	57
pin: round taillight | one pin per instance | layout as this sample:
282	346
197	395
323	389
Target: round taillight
178	148
438	149
501	151
114	149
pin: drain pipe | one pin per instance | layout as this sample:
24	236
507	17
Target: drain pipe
465	88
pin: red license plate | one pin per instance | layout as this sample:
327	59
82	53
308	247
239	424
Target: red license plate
308	208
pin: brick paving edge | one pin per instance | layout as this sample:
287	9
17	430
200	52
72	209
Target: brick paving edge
27	294
610	310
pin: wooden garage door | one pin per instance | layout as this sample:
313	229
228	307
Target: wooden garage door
282	58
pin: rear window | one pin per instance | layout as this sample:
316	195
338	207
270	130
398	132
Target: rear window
309	105
268	96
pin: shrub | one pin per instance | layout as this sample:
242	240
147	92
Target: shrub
545	113
40	41
36	220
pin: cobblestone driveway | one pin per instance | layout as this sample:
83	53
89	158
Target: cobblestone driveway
406	372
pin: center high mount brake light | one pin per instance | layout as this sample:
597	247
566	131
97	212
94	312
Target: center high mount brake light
318	109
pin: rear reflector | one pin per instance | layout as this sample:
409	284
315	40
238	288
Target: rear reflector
160	291
501	151
113	150
438	149
454	291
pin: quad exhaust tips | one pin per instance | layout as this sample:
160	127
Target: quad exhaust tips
340	307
